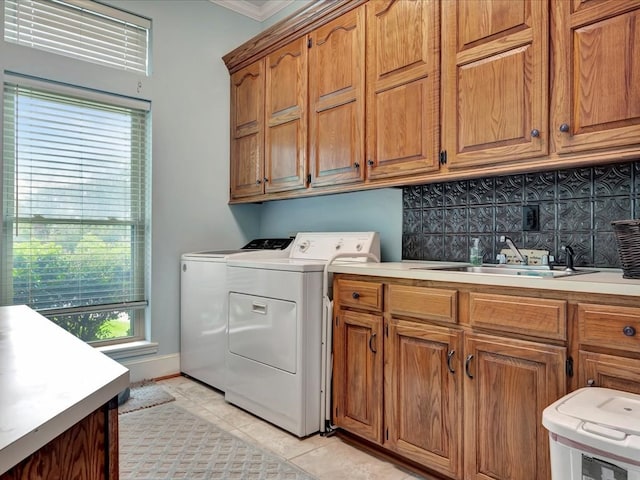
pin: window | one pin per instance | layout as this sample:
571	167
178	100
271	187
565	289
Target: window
75	208
80	29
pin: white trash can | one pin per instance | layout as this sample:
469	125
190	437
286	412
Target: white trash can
594	434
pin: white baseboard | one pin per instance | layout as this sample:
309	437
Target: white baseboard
155	367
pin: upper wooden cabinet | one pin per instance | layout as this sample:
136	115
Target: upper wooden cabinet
596	102
495	80
286	118
269	123
247	130
398	92
403	110
336	100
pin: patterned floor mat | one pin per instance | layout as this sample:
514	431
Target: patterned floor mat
167	442
144	394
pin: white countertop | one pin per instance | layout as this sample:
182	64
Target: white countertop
49	381
605	281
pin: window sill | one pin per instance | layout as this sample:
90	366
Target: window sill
131	349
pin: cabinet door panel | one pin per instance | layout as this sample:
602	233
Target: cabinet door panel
286	118
513	381
597	72
403	87
336	100
422	396
609	371
357	374
495	81
247	130
246	166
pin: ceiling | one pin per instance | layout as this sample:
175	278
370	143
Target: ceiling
259	10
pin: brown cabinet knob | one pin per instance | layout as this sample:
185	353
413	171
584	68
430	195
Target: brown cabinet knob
629	331
535	132
258	182
356	165
591	382
355	295
564	127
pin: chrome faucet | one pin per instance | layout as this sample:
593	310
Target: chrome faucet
523	258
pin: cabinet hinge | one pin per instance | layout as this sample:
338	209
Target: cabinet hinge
387	434
336	320
309	43
443	157
386	330
308	179
569	367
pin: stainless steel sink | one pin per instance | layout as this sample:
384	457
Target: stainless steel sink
529	271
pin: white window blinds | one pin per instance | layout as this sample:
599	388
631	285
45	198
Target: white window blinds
75	203
80	29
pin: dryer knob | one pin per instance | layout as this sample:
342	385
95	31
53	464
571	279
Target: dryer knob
304	246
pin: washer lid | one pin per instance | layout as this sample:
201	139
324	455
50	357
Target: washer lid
285	264
213	253
605	407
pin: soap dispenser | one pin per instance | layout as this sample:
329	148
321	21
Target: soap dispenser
475	257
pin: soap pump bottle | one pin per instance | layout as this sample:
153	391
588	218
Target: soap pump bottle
475	258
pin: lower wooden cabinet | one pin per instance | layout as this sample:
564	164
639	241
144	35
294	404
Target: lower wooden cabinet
357	380
453	378
423	372
86	451
508	383
609	340
423	386
609	371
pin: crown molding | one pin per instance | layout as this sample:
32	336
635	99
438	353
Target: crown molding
251	10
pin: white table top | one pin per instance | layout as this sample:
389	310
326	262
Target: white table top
49	381
606	281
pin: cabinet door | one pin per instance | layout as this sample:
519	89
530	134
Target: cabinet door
403	111
336	100
495	85
423	392
357	374
286	118
508	383
609	371
596	74
247	130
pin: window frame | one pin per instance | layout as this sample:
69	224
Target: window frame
139	309
67	36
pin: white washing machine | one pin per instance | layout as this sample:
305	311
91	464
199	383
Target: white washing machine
203	307
277	341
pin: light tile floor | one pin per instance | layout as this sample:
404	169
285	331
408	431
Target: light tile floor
322	457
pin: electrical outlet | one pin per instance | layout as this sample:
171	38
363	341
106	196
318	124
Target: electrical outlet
531	218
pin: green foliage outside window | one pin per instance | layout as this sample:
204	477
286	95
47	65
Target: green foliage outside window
48	275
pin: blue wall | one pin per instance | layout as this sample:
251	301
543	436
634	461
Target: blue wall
372	210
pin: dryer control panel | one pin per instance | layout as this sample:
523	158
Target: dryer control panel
324	245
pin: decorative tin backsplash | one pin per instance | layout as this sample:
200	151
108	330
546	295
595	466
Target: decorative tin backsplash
542	210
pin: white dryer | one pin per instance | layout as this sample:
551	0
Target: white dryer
203	307
275	340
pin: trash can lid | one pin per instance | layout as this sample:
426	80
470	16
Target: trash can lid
611	408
